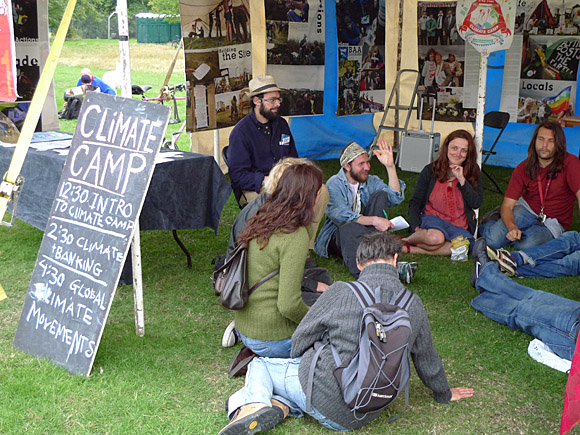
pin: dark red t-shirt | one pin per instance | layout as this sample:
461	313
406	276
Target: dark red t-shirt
560	197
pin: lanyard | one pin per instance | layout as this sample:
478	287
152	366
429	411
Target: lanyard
542	193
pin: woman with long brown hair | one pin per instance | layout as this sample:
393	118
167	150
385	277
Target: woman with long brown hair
447	192
278	236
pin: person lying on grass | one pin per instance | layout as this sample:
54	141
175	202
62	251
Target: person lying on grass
548	317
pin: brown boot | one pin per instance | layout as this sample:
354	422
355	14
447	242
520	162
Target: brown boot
254	418
282	406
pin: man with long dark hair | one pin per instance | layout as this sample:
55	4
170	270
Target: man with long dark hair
539	201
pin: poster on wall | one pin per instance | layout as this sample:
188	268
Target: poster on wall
361	57
448	67
218	61
31	42
486	24
295	50
7	53
544	61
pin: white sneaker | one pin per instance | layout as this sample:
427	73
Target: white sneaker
230	338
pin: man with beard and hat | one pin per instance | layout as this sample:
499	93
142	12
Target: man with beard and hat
359	204
259	140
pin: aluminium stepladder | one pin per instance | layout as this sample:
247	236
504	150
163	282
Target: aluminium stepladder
398	107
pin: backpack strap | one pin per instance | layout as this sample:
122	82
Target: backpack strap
362	292
308	392
263	280
403	299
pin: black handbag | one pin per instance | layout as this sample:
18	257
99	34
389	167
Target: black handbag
230	282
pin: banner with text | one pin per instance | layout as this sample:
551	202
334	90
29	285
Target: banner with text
361	57
488	25
218	61
7	54
295	51
544	61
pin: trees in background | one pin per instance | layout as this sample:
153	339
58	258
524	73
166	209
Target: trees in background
91	16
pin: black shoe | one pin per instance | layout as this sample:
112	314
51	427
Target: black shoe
474	275
479	252
480	258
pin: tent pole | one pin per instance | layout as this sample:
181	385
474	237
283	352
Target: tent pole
136	242
480	106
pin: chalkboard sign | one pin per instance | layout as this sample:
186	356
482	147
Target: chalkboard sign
99	198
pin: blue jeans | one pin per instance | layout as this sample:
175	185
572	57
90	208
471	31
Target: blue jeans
269	348
548	317
558	257
275	378
533	234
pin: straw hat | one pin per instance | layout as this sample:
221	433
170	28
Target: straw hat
261	85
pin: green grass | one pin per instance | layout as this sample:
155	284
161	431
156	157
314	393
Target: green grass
174	379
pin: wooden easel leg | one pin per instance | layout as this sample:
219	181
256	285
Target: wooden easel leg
138	283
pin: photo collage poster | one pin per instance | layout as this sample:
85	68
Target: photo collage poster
448	67
544	60
361	56
295	32
218	61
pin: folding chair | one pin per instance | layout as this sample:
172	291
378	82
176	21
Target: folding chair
498	120
238	193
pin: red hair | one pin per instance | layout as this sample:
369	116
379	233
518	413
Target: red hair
471	169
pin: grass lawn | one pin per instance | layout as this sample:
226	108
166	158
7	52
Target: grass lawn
174	379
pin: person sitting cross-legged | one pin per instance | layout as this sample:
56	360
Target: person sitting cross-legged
546	316
315	279
359	203
447	192
275	388
539	201
557	257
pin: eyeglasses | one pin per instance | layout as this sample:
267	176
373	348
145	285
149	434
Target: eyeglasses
273	100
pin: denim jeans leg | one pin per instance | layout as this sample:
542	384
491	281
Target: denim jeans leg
494	233
276	378
548	317
268	348
533	234
565	266
567	243
292	390
258	387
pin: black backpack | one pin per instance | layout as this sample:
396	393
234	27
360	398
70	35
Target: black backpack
380	368
72	109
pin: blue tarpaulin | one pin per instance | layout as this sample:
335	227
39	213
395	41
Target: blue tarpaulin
323	136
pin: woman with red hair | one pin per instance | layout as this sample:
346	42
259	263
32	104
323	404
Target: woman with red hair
447	192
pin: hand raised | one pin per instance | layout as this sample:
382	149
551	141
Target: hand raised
385	153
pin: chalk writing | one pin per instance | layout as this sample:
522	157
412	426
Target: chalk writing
86	240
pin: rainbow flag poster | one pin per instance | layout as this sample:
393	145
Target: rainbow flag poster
560	102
